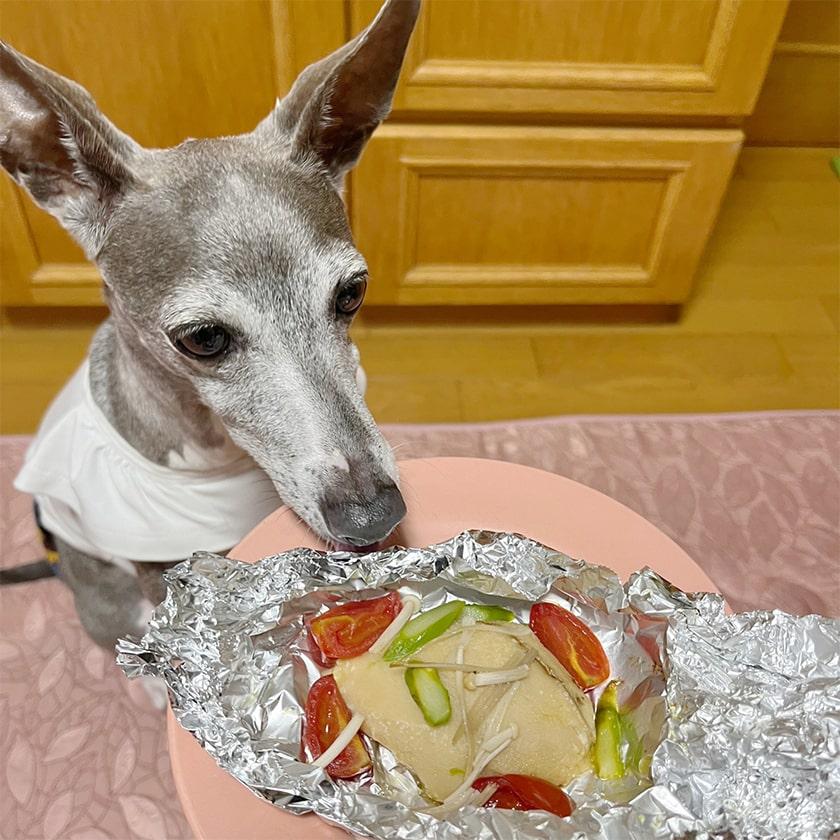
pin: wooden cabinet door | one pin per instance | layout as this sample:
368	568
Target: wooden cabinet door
591	215
162	71
555	57
478	215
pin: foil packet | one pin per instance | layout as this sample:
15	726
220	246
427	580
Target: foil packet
739	714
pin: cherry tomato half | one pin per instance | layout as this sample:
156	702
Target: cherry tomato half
326	715
525	793
572	642
315	651
349	630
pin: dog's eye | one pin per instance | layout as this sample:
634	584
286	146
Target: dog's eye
350	296
204	342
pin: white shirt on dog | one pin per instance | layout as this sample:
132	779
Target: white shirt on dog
101	496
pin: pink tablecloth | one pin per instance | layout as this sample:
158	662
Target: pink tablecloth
755	499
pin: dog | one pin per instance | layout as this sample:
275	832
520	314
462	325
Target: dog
224	382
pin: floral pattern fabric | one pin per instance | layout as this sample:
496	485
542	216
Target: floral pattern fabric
754	499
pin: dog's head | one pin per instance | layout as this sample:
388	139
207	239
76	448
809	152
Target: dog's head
230	261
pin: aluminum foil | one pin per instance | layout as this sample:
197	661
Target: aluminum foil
740	715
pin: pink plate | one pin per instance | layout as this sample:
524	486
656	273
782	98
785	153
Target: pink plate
444	496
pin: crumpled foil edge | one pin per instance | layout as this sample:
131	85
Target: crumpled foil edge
742	713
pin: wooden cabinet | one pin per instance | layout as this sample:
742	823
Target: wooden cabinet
548	151
805	70
597	57
486	214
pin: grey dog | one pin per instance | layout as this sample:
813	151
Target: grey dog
231	277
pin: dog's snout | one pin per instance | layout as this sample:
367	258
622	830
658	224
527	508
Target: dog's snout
360	520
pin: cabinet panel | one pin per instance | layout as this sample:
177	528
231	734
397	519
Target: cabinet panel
508	204
18	256
162	71
449	214
586	56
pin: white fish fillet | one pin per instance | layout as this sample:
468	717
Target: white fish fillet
554	740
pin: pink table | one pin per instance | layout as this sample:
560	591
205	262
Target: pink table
444	496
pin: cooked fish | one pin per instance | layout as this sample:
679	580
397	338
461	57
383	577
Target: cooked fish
554	719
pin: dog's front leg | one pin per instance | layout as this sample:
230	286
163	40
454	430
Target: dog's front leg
112	602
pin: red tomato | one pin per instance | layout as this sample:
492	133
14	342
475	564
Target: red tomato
572	642
349	630
315	651
525	793
326	716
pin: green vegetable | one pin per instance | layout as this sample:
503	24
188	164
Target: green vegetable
430	694
634	749
607	752
422	629
609	699
483	612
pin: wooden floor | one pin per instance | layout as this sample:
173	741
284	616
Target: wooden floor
761	332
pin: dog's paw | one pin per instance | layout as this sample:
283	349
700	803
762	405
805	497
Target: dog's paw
143	613
155	690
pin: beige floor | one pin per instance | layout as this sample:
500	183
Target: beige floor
761	332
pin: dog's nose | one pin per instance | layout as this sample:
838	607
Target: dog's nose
358	521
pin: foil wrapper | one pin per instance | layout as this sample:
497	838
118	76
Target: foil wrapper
740	714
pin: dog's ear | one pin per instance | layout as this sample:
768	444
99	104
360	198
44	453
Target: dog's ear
55	142
336	103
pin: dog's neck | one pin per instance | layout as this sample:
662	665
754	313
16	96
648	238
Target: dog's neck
156	412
